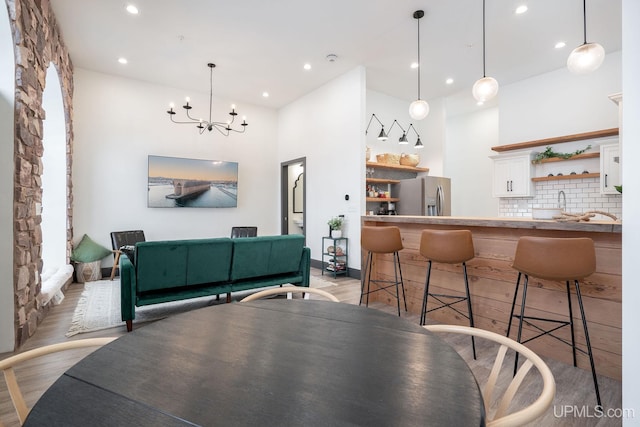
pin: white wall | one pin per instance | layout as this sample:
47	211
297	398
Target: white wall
119	122
469	139
7	91
630	210
560	103
325	126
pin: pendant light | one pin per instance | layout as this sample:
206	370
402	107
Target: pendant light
487	87
419	108
588	56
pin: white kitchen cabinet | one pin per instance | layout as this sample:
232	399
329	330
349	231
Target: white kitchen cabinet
609	168
512	175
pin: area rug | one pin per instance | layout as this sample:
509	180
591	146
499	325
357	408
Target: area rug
99	306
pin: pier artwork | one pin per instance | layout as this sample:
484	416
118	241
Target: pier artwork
184	189
175	182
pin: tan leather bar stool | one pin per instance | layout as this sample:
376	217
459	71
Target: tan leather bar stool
559	259
448	247
381	240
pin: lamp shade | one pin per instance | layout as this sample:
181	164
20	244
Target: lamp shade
585	58
418	109
485	88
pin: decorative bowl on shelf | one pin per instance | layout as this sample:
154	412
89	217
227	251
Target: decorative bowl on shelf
409	159
388	158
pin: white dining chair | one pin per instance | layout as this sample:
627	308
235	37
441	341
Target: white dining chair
501	417
289	290
7	365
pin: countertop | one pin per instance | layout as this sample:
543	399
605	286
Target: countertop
501	222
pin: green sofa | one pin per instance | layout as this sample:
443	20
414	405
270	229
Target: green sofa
163	271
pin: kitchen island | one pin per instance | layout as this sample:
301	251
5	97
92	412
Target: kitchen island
492	281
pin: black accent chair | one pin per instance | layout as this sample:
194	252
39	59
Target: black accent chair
120	240
244	232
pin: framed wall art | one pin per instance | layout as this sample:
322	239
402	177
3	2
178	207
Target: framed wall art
174	182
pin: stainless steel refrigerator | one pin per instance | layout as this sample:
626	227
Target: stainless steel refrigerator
426	196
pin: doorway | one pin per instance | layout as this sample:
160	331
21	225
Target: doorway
293	201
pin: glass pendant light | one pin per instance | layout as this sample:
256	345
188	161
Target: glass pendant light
588	56
419	109
487	87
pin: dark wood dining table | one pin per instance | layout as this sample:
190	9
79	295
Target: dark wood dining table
268	363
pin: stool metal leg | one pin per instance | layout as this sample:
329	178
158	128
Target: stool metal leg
573	335
513	304
466	284
404	297
396	265
423	314
524	299
586	337
366	277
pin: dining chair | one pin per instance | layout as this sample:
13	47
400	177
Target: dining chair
501	418
289	290
244	232
7	365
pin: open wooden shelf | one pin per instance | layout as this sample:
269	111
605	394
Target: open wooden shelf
382	199
576	157
561	177
382	181
396	167
558	139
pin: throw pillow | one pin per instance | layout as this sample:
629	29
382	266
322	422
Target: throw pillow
88	251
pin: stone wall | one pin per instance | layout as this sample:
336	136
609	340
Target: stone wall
38	43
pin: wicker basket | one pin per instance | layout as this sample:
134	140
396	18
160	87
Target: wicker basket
409	159
388	158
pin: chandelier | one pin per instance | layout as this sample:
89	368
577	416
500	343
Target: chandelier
202	125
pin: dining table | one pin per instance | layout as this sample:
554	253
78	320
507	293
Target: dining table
273	362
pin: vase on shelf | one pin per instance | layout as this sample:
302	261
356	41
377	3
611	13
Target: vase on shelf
336	234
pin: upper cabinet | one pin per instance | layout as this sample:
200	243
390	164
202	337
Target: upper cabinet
609	168
512	175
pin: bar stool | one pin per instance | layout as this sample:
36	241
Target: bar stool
381	240
558	259
448	247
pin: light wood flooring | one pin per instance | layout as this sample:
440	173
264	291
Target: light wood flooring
573	405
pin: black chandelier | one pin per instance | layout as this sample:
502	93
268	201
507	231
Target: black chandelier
222	127
383	136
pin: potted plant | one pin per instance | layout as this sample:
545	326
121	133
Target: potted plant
335	226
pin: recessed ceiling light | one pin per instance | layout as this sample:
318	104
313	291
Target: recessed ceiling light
122	60
414	65
479	103
449	81
265	94
560	45
521	9
307	66
132	9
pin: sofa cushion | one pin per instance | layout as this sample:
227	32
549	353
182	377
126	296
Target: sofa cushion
266	255
161	265
208	261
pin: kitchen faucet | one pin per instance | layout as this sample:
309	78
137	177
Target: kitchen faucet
562	205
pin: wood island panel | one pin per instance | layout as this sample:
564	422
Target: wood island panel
492	281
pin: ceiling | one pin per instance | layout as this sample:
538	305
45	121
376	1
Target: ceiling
261	45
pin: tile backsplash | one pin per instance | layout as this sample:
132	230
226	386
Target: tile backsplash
581	194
